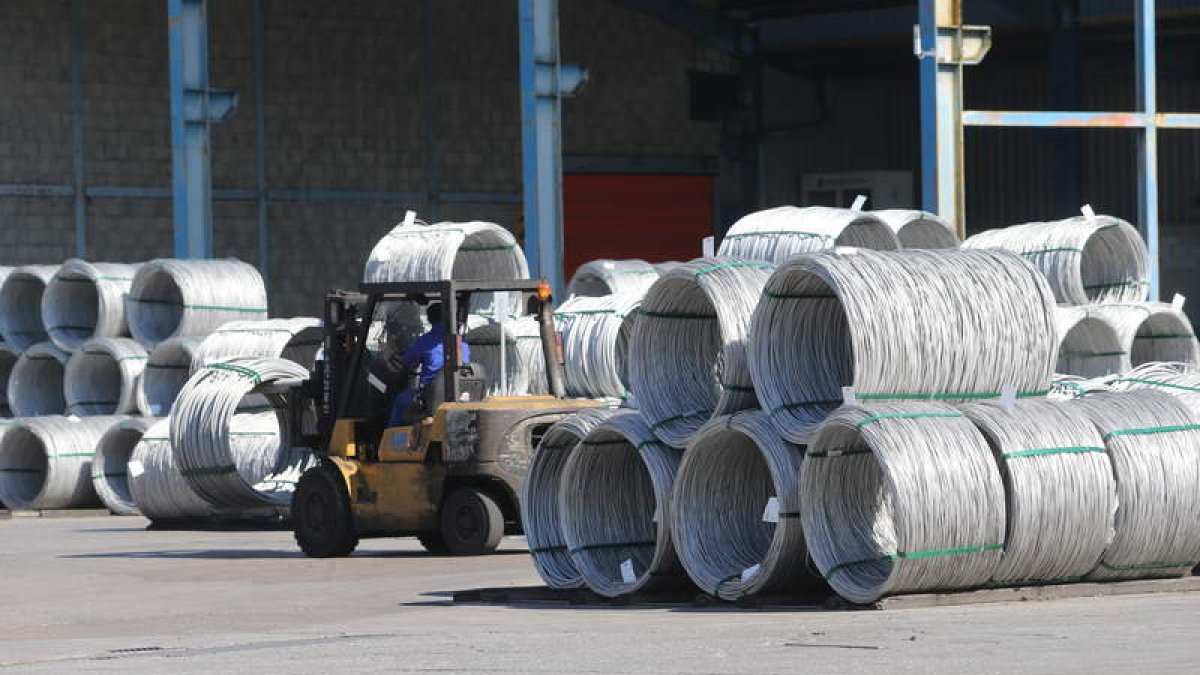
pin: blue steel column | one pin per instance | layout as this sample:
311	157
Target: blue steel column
1147	95
77	156
194	108
941	116
544	81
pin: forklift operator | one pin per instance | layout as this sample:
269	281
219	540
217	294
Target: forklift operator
426	354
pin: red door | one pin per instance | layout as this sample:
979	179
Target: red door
652	217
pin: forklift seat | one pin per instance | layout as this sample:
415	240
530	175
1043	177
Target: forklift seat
472	381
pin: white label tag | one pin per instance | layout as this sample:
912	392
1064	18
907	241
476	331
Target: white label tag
136	469
771	511
376	382
410	217
848	397
1008	397
74	418
749	572
708	247
1087	212
1177	302
859	202
627	574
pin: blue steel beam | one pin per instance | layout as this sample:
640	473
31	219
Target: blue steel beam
941	115
1147	96
194	109
544	81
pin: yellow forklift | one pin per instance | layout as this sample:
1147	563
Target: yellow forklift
453	478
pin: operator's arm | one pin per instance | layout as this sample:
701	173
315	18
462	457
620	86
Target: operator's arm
416	352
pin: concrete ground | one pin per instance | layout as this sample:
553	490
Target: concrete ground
101	594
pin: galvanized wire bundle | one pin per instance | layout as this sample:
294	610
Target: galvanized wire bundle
614	507
624	335
296	340
167	369
590	329
918	229
950	325
612	277
539	500
110	465
524	368
1089	346
901	497
169	298
205	424
782	233
159	491
1180	380
1152	439
35	385
687	357
735	509
1151	331
21	305
1059	485
86	300
8	360
1087	260
46	462
102	377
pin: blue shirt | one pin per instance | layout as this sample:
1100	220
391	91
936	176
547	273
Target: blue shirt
428	352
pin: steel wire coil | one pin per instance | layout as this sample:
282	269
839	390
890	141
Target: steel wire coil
1086	260
780	234
159	491
590	328
35	385
624	336
21	305
171	298
612	277
539	500
204	426
8	360
524	369
296	340
614	508
1151	331
168	368
735	509
85	300
950	325
110	465
46	462
1152	439
1089	346
1059	487
101	378
901	498
918	229
1180	380
687	356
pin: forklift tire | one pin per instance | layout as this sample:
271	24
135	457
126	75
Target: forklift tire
434	543
322	520
471	521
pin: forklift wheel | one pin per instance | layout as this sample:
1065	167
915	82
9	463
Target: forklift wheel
321	517
472	523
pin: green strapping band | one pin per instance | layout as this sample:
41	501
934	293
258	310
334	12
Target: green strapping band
1147	431
913	555
1155	383
210	471
253	433
1176	336
81	328
547	549
797	296
240	370
1062	249
21	471
734	263
678	418
1088	355
677	315
791	233
801	404
600	443
73	454
162	366
621	544
901	416
1149	566
217	308
1037	452
847	452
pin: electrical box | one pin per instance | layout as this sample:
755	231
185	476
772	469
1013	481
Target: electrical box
883	189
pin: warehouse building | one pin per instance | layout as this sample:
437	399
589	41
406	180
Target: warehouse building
694	113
